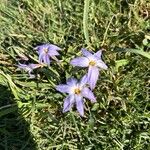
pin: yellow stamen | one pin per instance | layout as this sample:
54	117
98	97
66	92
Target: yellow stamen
92	63
77	91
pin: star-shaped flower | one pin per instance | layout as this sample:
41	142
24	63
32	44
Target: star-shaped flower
77	91
94	63
46	51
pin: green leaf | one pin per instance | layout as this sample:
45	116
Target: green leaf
141	52
121	62
136	51
95	107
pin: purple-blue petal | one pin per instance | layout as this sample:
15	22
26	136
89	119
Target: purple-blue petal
29	66
72	81
40	48
34	66
46	59
87	93
98	54
83	80
41	57
53	47
79	104
41	51
102	65
50	47
25	67
63	88
22	66
86	53
93	74
68	103
53	52
80	62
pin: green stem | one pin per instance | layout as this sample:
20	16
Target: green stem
85	21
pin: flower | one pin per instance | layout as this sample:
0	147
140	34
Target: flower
76	90
29	68
94	63
46	51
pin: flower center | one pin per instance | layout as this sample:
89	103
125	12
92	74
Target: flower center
92	63
46	50
77	91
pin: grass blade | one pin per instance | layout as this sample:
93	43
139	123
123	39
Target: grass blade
85	21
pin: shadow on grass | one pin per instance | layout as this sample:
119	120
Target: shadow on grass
14	130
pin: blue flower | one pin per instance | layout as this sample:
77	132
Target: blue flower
46	51
94	63
77	91
29	68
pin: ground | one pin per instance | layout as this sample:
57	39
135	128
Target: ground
31	109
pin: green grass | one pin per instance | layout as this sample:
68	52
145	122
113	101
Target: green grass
31	109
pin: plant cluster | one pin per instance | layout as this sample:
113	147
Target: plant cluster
77	90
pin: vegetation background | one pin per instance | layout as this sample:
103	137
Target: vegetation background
31	110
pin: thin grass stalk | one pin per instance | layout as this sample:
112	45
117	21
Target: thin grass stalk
85	21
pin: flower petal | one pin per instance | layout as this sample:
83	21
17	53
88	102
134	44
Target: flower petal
87	93
79	104
72	81
22	66
50	47
93	74
46	59
41	48
80	62
63	88
102	65
53	47
34	66
83	80
98	54
41	57
68	102
53	52
85	52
